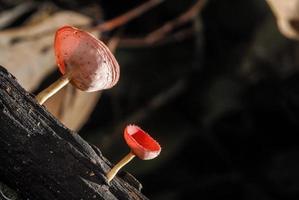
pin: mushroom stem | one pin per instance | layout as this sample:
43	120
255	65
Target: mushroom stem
53	88
110	175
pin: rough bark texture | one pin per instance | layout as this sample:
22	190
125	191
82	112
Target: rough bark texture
42	159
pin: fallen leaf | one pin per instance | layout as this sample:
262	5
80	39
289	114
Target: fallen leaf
27	52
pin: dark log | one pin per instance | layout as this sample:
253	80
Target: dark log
42	159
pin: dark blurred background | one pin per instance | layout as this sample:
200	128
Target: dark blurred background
222	100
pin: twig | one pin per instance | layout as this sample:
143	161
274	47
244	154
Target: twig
110	24
187	16
158	36
179	35
142	42
126	17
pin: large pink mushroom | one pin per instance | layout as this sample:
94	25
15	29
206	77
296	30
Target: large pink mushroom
83	60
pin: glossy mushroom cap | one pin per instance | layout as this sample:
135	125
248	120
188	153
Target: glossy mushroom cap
89	62
141	143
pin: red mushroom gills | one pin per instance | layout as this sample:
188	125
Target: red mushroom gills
141	143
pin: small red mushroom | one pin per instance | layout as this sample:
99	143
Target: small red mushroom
83	60
141	144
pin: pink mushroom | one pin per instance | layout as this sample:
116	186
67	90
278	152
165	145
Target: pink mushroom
84	61
141	144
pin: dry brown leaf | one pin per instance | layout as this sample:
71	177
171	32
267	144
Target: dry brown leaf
27	52
287	16
72	106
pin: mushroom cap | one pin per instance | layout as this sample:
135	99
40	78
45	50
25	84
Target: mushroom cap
89	62
141	143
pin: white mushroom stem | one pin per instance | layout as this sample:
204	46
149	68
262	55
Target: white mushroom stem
110	175
53	88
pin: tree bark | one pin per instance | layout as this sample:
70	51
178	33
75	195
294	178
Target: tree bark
41	159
